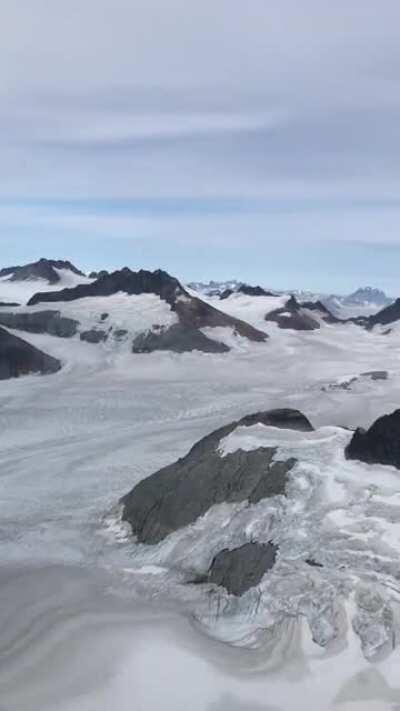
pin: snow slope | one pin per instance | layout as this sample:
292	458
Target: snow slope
120	311
73	443
21	291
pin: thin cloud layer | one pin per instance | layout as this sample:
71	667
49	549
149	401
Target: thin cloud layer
293	106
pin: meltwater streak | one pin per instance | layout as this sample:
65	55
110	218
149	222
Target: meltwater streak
69	643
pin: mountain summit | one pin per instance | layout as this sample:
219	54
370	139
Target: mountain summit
46	269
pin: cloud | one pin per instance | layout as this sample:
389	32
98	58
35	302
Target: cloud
291	104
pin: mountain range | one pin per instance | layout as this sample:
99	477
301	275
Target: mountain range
234	451
153	311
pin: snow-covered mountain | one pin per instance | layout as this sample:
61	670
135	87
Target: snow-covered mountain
368	295
213	288
365	301
141	311
362	302
138	487
19	283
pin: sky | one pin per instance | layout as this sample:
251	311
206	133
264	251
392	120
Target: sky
253	140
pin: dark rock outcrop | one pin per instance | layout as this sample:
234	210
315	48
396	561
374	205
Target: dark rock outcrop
178	494
293	316
120	334
17	357
378	445
40	322
253	290
387	315
321	310
313	563
242	568
246	289
42	269
193	313
134	283
376	374
226	294
176	338
99	274
93	335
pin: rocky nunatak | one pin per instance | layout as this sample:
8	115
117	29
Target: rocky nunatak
380	444
177	495
17	357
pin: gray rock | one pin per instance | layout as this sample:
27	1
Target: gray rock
98	275
120	334
193	313
94	335
253	290
313	563
42	269
176	338
321	309
125	280
178	494
376	374
293	316
17	357
378	445
226	294
387	315
242	568
40	322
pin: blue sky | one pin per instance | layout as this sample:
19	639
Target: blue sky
258	141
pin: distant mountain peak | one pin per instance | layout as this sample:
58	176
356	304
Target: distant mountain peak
367	294
45	269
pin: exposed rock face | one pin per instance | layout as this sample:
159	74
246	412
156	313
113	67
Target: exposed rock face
253	290
98	275
42	269
387	315
193	313
376	374
321	309
313	563
293	316
178	494
245	289
342	384
40	322
176	338
378	445
141	282
226	294
369	295
93	335
242	568
17	357
120	334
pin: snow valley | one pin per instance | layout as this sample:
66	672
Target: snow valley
187	499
